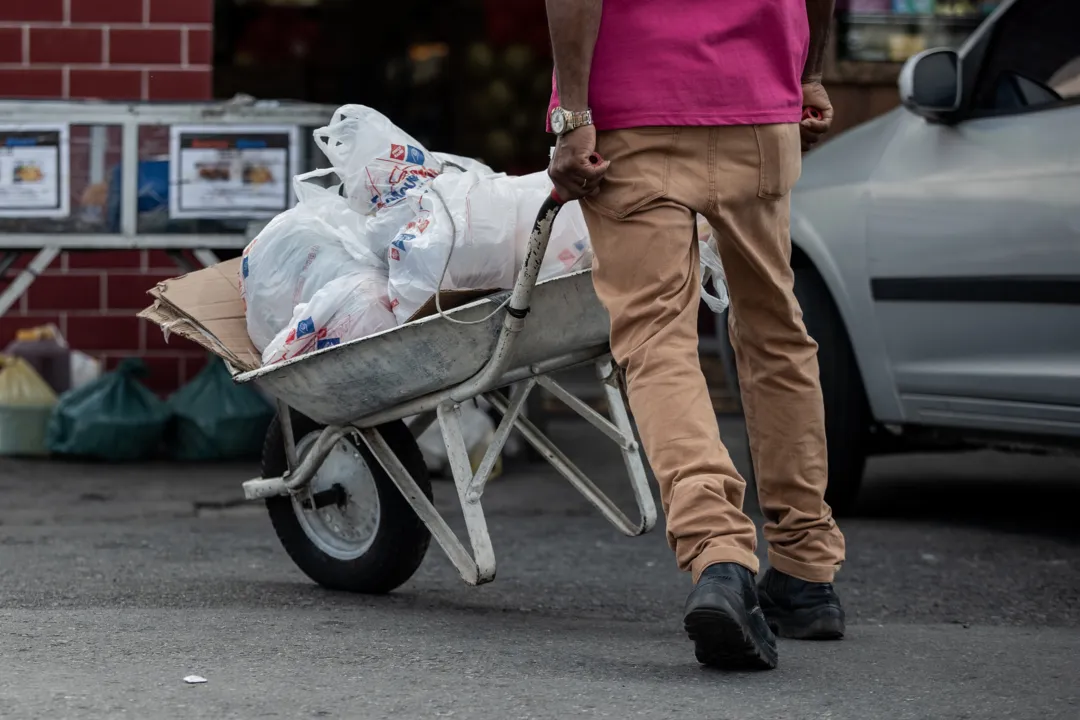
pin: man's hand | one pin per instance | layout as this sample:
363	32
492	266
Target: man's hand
575	168
810	129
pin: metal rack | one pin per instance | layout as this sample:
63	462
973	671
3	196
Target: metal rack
130	117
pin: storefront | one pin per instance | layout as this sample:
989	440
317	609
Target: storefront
466	76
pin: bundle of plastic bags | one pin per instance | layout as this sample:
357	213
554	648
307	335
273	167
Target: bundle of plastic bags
354	259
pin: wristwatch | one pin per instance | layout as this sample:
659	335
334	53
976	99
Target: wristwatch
563	121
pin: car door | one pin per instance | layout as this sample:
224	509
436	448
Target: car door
974	237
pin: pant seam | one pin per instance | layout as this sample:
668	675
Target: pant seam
713	203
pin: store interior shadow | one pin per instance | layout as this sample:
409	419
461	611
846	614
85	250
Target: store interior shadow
1038	502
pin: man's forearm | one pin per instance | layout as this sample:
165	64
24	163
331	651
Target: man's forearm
574	25
820	14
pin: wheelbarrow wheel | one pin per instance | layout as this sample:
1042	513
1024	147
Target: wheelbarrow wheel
351	529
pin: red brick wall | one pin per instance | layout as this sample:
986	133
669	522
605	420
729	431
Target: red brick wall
107	49
112	50
93	298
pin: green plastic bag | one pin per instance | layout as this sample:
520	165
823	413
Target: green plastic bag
216	419
113	418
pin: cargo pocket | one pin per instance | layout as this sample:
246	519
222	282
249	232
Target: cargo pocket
780	157
640	159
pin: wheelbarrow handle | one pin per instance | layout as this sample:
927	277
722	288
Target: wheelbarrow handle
534	254
518	305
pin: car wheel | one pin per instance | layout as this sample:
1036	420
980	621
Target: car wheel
847	414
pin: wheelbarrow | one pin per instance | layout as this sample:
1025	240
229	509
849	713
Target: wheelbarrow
344	481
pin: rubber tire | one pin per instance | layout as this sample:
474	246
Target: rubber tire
847	413
401	541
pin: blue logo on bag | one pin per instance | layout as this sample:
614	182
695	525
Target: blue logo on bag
395	196
400	240
327	342
305	327
244	268
414	156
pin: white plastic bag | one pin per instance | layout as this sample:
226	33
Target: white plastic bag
378	161
386	224
568	248
84	369
348	307
476	216
711	267
355	230
477	428
297	254
382	227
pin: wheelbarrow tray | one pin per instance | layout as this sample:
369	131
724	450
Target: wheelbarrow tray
344	383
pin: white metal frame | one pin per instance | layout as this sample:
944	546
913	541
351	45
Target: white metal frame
130	117
444	406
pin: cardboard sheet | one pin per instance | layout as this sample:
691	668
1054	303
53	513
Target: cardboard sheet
205	307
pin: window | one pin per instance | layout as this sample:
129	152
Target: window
1033	59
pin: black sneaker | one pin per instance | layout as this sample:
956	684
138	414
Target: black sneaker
801	610
725	621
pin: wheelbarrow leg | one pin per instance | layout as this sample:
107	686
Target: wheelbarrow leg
457	454
474	572
285	418
618	429
631	451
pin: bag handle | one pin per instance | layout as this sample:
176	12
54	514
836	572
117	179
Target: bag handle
321	136
306	190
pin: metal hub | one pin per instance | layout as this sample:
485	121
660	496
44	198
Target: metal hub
339	509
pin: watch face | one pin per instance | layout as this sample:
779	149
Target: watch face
558	121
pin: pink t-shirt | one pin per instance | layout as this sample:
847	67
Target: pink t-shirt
698	62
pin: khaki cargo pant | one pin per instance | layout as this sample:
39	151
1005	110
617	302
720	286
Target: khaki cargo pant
646	274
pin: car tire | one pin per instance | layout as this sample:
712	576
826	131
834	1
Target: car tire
400	539
847	414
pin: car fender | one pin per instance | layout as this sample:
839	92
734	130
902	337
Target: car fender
842	265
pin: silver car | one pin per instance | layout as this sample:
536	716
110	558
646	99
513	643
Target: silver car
937	252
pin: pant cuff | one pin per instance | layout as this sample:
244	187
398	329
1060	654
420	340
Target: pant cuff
720	554
801	570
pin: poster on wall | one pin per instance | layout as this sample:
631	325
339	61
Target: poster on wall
229	171
35	180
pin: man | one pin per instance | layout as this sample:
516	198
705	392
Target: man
666	109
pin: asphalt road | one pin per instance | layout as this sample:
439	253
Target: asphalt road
962	587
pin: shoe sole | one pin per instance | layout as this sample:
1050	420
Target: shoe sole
818	624
721	641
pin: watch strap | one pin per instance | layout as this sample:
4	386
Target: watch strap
577	119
